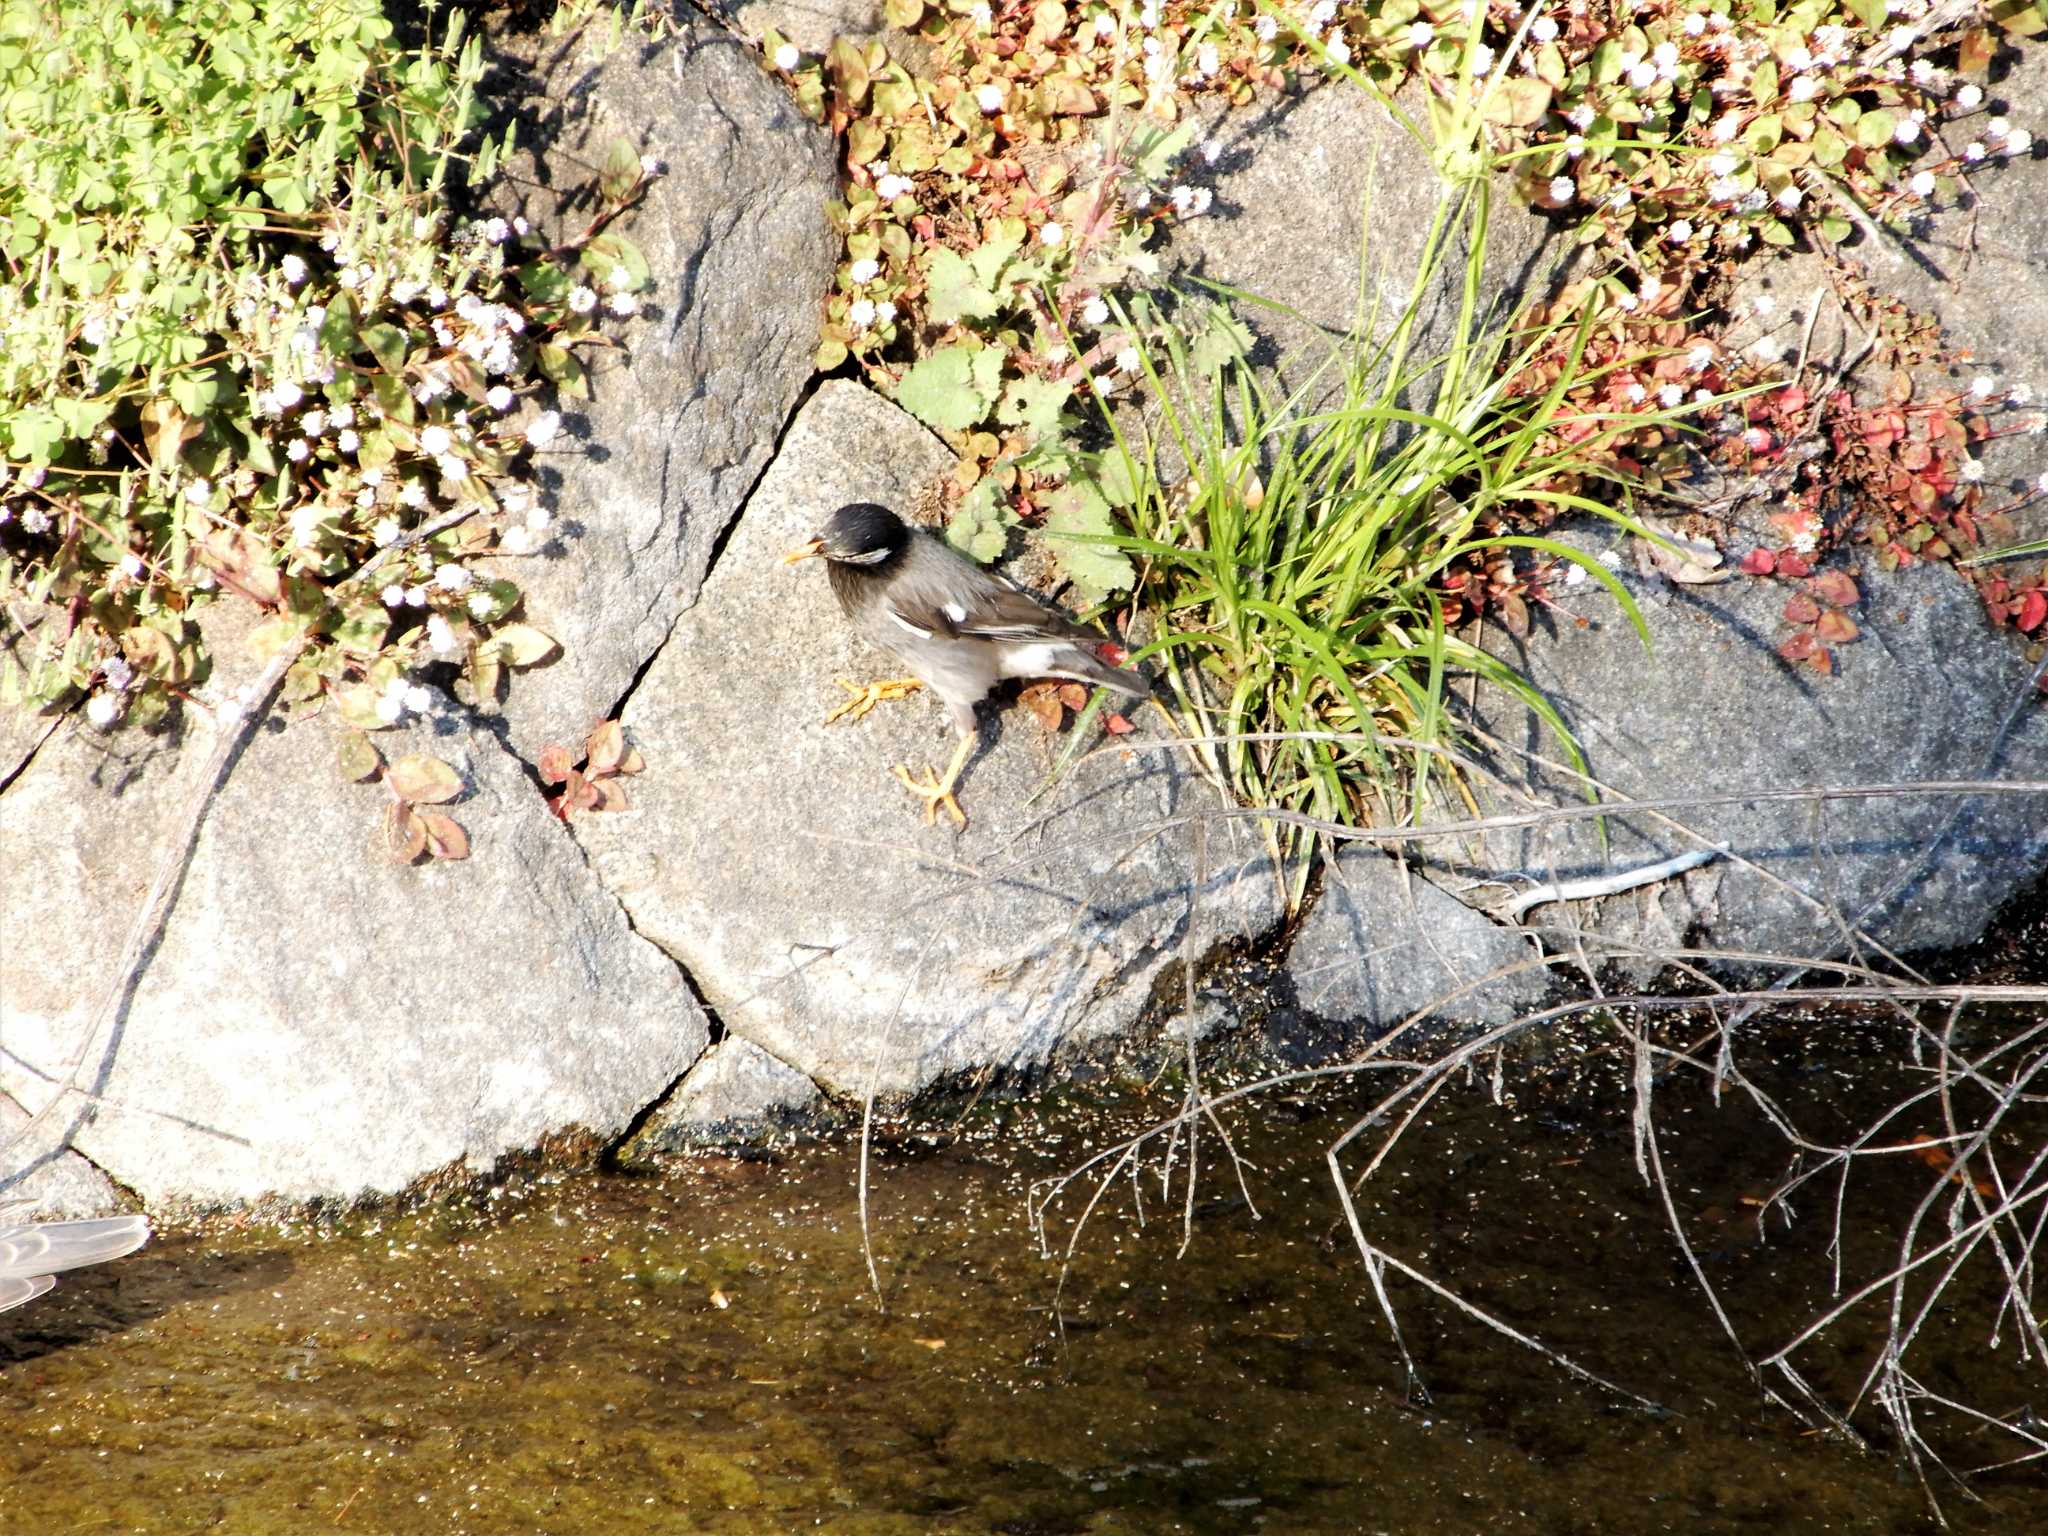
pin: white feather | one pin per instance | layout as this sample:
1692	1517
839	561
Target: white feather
905	624
956	613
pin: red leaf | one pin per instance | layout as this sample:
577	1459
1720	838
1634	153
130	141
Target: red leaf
1836	626
1794	565
2033	609
1112	653
1799	647
1801	609
1759	562
1117	725
1837	589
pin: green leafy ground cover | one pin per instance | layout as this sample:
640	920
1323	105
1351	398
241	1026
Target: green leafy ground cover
256	349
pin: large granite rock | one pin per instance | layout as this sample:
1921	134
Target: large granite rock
1309	185
736	1093
317	1020
1382	943
776	858
1928	692
683	418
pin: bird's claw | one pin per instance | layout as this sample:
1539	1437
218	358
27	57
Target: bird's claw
934	792
861	698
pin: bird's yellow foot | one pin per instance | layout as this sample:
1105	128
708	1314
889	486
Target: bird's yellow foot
934	791
860	699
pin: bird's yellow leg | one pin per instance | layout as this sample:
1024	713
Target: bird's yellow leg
860	699
935	791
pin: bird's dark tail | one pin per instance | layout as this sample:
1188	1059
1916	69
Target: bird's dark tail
1084	666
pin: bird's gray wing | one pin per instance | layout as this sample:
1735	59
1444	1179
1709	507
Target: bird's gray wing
14	1292
46	1248
940	593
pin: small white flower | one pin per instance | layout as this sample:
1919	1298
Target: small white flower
441	636
1679	232
296	450
287	394
582	300
1212	151
1725	127
1789	199
117	672
787	57
864	270
34	520
1620	199
2018	142
1420	34
1052	236
2041	484
346	440
1611	558
452	468
198	492
891	187
1267	28
497	231
1970	471
1670	396
543	428
498	397
385	534
418	699
1643	76
1969	95
1973	151
1563	189
1699	357
131	566
1543	29
1482	60
989	98
1803	88
622	304
412	494
1921	184
1767	349
1983	387
451	578
390	707
294	269
1105	25
1665	57
885	313
861	313
306	527
1095	312
649	166
1127	360
103	709
1338	50
1906	131
1695	24
2020	394
434	440
1997	128
1580	117
1574	146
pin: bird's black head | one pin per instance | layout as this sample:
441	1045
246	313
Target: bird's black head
862	533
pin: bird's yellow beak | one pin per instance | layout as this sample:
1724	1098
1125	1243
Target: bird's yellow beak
804	552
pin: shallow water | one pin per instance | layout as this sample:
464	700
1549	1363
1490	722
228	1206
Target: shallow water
699	1351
